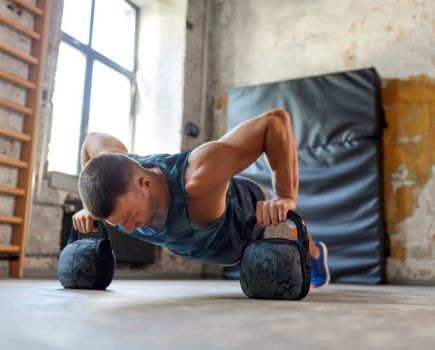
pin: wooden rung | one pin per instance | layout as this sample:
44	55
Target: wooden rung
18	54
13	162
29	7
12	190
18	27
17	80
14	135
15	107
9	249
11	219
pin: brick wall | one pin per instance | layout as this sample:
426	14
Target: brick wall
196	101
193	72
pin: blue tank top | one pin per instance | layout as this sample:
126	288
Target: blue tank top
221	241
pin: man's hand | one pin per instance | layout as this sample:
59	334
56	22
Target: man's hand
84	222
274	211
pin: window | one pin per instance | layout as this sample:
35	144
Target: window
95	78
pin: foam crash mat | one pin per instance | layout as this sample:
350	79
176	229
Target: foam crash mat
337	120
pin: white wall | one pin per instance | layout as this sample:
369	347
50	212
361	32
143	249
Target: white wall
162	37
259	41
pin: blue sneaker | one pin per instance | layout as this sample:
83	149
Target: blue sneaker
319	267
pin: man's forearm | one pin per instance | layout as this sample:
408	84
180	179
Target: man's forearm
281	152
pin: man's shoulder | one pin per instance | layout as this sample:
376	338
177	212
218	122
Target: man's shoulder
160	159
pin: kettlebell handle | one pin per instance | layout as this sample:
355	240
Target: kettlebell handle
101	228
291	215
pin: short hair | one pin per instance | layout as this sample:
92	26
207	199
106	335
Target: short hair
103	180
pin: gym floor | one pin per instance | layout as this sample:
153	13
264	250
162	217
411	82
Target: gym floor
212	314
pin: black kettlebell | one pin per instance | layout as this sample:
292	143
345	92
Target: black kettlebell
87	263
277	268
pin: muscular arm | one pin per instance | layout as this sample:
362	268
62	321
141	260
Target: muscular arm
98	143
214	163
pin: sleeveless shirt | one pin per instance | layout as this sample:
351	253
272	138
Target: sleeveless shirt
222	241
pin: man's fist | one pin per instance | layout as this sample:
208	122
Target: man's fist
84	222
273	211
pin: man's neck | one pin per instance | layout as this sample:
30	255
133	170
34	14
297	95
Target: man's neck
162	195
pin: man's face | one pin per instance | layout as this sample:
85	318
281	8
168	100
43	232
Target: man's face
134	209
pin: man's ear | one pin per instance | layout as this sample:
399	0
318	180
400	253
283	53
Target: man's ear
144	181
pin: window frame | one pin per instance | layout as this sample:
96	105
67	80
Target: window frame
91	56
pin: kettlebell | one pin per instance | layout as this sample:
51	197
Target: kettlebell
277	268
87	263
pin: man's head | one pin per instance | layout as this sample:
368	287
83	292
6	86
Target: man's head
117	189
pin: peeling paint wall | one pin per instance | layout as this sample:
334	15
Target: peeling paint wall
254	42
409	166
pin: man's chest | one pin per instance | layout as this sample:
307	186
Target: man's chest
205	208
205	203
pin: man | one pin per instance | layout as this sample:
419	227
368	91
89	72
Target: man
193	203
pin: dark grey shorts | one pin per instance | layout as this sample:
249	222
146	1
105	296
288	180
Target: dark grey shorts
260	193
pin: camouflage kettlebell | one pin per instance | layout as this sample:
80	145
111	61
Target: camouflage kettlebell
87	263
277	268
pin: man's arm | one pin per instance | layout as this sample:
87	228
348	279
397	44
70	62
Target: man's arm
98	143
94	145
214	163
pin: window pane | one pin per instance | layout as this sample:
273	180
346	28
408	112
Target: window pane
67	110
76	19
114	31
110	103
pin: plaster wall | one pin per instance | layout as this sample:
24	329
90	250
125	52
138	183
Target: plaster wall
161	50
254	42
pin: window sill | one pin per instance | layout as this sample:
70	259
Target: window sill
63	181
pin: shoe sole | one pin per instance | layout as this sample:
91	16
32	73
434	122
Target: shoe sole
325	262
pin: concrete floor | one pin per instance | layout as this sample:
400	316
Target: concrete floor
212	314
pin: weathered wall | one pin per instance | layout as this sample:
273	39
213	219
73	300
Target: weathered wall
254	42
195	85
193	70
409	166
197	101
